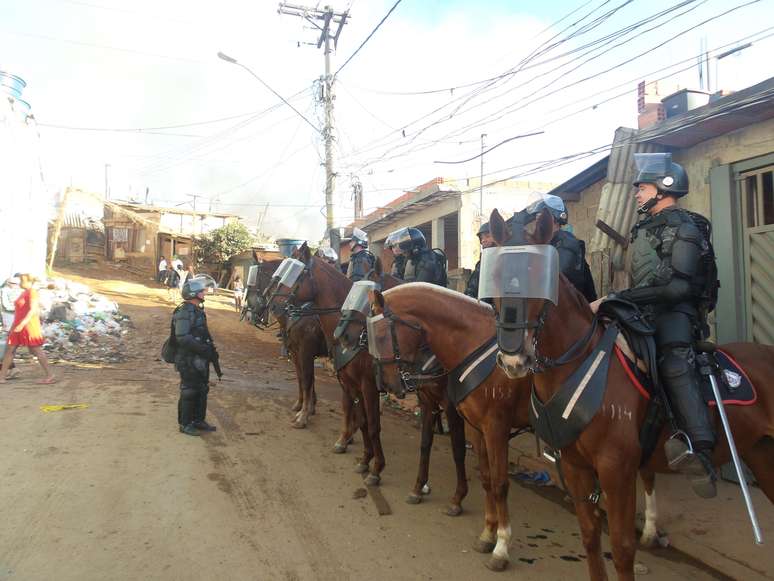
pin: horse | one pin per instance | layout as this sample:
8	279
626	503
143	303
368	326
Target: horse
607	453
326	287
420	314
304	340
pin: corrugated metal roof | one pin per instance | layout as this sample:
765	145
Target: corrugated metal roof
617	206
437	193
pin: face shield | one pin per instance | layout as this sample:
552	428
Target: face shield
281	269
657	164
515	274
293	270
356	302
379	337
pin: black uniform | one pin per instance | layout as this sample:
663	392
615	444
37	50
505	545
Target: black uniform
423	267
667	282
572	262
195	350
360	264
398	266
471	289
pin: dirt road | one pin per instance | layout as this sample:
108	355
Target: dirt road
113	491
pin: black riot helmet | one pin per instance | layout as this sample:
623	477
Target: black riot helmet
359	238
659	169
408	240
483	229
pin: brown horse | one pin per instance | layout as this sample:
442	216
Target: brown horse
304	339
420	314
326	287
608	450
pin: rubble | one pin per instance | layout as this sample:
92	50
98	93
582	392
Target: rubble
80	325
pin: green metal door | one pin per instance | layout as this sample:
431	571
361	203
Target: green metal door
757	196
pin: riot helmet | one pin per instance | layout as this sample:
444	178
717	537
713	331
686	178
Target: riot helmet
327	253
483	229
359	238
408	240
553	204
192	287
659	169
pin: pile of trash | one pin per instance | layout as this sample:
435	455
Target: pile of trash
80	325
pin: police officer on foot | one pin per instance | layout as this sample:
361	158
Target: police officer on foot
486	240
669	275
421	263
195	351
572	252
361	261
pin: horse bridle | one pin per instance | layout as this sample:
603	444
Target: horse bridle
407	370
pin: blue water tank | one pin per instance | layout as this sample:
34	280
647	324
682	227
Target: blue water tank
288	245
11	85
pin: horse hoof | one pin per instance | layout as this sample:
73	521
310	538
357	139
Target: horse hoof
296	407
453	510
413	498
649	542
339	448
483	546
496	564
361	468
299	424
372	480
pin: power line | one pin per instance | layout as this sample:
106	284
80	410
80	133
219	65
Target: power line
514	138
394	6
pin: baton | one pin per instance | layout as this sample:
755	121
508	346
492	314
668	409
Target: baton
737	462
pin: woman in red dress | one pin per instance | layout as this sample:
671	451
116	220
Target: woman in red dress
26	330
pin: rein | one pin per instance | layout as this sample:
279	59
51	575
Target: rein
543	363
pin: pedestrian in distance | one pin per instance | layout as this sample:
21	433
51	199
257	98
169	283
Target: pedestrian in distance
26	330
162	273
172	281
195	350
9	292
182	276
238	290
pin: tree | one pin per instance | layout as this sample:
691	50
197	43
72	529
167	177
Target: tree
219	245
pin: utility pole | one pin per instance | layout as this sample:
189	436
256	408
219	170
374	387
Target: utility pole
57	229
357	197
481	183
322	20
107	181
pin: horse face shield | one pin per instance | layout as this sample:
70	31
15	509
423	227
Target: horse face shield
355	308
519	277
382	345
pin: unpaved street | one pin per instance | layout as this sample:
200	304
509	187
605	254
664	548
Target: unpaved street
113	491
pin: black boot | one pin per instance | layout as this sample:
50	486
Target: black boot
189	430
204	426
696	464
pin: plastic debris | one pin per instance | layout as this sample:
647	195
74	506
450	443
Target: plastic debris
541	478
67	406
80	325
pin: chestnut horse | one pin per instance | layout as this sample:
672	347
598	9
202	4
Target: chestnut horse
304	338
421	315
608	450
326	287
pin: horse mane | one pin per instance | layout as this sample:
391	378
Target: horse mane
577	296
410	287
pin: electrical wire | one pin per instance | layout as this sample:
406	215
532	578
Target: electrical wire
394	6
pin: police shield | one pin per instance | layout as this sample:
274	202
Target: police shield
522	272
293	270
357	299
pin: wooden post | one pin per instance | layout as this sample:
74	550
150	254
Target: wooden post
57	230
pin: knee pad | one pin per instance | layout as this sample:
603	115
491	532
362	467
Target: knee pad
672	366
189	392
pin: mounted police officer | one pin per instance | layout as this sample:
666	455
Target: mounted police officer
486	240
421	263
669	276
195	352
572	252
361	261
398	259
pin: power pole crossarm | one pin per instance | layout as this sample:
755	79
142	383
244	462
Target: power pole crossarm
323	21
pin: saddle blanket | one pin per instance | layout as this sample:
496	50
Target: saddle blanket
736	388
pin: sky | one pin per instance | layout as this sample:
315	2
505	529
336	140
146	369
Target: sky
414	95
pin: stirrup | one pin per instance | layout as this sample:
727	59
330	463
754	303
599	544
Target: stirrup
678	449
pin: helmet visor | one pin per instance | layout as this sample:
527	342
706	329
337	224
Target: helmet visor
657	164
526	272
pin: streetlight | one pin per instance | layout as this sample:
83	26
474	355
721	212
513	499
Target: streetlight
233	61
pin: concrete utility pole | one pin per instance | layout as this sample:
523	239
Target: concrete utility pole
322	20
481	184
357	196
